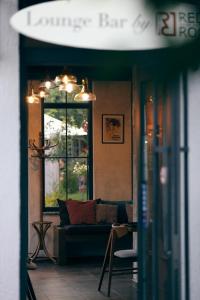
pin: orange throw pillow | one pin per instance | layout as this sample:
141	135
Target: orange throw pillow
81	212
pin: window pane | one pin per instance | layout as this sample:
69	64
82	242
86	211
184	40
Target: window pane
77	171
55	181
55	130
77	132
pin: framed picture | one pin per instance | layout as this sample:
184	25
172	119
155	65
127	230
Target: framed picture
113	129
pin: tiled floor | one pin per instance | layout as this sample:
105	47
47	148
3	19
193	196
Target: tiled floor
78	281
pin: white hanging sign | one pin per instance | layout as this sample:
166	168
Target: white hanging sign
107	24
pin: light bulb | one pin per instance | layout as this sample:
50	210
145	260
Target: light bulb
30	99
42	94
85	97
69	87
57	80
48	84
33	98
65	79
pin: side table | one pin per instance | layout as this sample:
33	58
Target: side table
41	229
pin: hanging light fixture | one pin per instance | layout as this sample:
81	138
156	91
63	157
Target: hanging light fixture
32	98
43	92
63	83
85	94
47	84
66	82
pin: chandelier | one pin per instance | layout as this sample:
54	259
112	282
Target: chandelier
63	83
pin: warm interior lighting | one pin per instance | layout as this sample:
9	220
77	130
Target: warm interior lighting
48	84
68	79
43	92
63	83
33	98
150	99
85	94
70	87
66	82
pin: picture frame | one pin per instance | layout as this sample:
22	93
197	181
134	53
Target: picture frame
112	128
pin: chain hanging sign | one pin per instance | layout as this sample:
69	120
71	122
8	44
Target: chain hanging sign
108	24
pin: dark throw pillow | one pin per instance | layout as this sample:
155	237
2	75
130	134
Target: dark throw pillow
64	216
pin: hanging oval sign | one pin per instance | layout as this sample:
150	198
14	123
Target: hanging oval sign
107	24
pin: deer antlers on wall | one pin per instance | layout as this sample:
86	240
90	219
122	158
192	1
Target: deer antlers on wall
41	148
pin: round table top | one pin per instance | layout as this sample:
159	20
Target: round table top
42	222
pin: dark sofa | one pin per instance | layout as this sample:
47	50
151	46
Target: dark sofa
85	240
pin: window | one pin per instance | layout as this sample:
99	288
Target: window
67	167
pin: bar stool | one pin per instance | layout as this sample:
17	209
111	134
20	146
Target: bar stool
128	255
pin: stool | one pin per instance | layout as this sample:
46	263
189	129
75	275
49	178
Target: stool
41	229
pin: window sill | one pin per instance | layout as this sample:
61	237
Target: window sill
50	213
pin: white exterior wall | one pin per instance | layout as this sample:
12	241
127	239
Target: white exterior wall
194	181
9	155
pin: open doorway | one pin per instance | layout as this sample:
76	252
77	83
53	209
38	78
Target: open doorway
156	108
74	133
93	154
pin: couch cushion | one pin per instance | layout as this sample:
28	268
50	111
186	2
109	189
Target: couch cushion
121	209
81	212
84	228
106	213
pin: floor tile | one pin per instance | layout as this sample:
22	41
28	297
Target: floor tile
78	281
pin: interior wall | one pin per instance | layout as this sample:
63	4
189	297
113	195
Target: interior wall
194	186
33	169
112	162
9	155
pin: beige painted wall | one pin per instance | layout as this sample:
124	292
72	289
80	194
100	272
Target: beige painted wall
33	170
112	162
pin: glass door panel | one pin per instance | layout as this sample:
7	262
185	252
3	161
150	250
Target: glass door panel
158	190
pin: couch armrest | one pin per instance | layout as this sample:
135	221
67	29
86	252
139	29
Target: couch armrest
60	245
